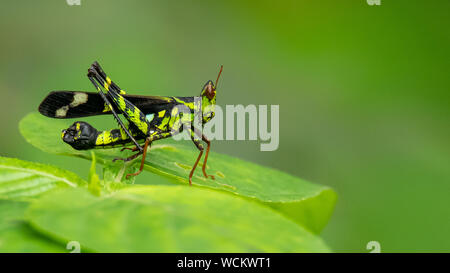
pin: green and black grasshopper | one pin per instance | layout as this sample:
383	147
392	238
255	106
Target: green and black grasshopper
150	118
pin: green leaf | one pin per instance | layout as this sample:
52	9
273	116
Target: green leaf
117	171
94	181
17	236
19	181
168	219
308	204
113	177
22	179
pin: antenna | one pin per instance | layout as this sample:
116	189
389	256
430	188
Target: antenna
218	76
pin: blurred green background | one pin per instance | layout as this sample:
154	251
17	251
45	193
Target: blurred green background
363	92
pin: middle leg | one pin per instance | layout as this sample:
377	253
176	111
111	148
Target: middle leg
144	154
147	144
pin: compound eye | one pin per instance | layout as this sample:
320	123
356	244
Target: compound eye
210	91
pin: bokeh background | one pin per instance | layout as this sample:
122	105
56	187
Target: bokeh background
363	92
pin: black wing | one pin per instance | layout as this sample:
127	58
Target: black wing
75	104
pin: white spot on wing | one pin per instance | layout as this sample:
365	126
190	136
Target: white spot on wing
79	98
62	112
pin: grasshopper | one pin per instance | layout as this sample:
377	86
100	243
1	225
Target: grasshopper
149	118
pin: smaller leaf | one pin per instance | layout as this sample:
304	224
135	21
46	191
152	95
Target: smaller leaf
22	179
117	171
94	182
